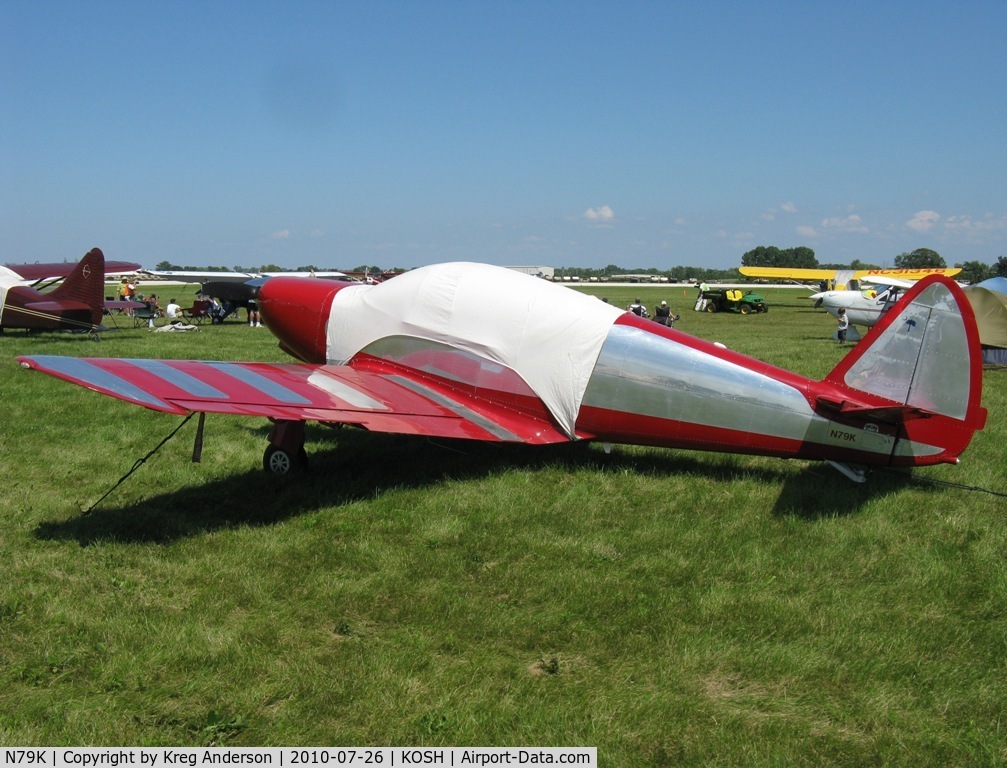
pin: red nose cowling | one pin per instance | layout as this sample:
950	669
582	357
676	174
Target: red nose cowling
296	310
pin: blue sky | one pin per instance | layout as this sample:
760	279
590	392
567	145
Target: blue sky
552	133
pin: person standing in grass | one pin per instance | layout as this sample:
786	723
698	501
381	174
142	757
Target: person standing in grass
843	326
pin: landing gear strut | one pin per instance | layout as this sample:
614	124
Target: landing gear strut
854	472
285	453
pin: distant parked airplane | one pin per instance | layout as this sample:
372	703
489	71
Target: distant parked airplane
866	306
33	274
197	276
75	305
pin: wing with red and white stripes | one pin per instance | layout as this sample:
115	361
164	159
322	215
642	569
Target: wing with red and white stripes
394	401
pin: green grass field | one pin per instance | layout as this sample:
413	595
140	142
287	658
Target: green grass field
668	607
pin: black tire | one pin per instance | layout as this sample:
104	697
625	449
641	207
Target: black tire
745	309
277	461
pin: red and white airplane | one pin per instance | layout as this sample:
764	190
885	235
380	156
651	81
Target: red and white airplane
473	351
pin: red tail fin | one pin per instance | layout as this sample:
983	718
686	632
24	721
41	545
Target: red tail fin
86	284
921	366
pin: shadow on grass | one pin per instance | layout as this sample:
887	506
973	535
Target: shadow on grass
33	339
359	466
814	491
821	492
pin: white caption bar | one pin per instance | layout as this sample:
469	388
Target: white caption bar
285	757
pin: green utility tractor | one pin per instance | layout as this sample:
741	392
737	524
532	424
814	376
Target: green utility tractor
733	300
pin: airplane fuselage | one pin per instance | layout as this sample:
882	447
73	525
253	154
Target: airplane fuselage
650	385
863	308
22	307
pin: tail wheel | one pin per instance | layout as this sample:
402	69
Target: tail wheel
279	461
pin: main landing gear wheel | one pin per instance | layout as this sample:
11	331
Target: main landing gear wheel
285	453
278	461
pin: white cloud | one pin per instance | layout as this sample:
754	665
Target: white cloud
923	221
806	231
737	238
851	223
787	207
971	226
282	234
603	214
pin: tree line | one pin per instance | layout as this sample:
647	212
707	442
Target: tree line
800	257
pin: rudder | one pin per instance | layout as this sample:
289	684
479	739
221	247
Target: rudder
923	355
86	284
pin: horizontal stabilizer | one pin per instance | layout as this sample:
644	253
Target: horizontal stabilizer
887	414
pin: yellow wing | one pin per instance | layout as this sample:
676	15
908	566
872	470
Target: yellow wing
788	273
841	277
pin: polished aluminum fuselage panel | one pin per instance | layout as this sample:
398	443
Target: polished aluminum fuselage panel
648	375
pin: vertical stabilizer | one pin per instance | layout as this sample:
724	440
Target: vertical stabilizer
924	357
86	284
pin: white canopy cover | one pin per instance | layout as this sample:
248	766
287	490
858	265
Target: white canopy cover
8	280
547	334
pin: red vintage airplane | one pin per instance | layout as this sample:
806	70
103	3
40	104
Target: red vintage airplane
75	305
485	353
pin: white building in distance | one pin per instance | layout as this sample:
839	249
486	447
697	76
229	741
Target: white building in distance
547	272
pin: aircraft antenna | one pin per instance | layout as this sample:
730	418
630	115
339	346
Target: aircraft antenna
945	483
